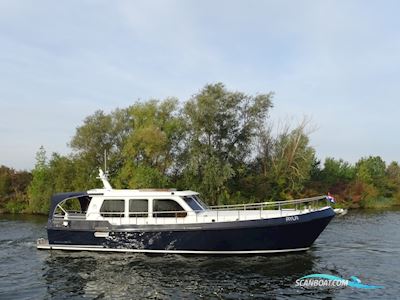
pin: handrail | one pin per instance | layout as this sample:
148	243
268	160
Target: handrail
271	203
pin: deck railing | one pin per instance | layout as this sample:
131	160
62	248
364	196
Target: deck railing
311	203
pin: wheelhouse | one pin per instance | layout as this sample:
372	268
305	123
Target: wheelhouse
69	205
129	207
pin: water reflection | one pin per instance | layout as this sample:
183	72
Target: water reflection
364	244
129	276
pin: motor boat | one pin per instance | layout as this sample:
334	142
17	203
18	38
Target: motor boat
171	221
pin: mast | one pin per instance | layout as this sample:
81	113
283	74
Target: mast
105	161
103	176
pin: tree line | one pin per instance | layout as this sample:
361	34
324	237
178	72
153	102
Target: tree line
219	143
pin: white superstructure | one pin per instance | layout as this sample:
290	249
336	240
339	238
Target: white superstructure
168	206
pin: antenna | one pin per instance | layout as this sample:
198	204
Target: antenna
105	161
104	175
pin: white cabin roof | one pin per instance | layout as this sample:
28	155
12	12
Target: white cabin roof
139	192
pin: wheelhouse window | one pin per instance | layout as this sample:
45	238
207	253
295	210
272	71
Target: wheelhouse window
193	203
138	208
167	208
73	207
200	201
112	208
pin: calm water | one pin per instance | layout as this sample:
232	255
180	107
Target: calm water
364	244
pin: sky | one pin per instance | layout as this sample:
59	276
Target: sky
336	62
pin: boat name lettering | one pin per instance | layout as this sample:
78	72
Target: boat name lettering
292	218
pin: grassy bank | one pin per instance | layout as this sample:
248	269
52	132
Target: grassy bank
370	203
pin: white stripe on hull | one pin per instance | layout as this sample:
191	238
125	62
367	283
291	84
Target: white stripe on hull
100	248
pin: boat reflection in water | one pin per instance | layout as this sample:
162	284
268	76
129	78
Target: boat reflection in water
108	275
178	222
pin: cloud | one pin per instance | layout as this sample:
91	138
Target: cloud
336	61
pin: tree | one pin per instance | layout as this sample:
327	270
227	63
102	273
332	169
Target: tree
393	180
13	189
371	170
62	171
151	149
287	161
393	172
40	188
370	183
100	132
221	127
5	182
336	170
336	175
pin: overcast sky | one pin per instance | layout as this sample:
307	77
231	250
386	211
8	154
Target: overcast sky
335	61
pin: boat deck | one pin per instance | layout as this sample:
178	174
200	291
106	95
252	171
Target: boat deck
207	216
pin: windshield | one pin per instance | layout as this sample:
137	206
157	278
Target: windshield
193	203
201	202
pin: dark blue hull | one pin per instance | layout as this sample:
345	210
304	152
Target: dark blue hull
269	235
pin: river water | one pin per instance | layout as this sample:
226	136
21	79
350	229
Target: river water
365	244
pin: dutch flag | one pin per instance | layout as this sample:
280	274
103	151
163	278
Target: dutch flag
331	198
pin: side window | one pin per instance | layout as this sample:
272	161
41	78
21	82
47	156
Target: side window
138	208
112	208
161	208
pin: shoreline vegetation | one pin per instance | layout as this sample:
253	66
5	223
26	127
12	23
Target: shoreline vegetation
220	143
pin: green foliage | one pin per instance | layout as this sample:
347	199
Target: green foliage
221	126
152	146
141	176
13	189
40	189
286	162
15	206
219	143
5	181
61	170
100	132
393	180
336	172
368	184
379	202
292	162
335	177
372	171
